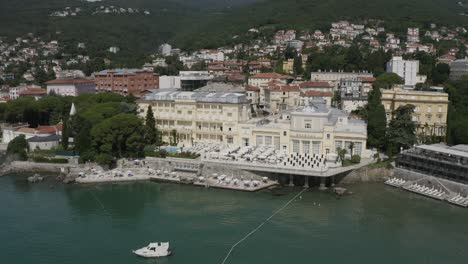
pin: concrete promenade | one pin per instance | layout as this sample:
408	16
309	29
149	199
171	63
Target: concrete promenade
273	168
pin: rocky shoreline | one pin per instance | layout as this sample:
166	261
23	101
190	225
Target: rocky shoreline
69	172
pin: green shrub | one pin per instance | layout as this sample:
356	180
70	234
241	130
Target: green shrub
156	154
18	147
356	159
184	155
104	159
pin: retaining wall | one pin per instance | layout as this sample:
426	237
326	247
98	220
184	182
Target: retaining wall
429	180
365	174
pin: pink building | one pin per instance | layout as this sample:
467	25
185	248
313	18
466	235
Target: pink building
71	87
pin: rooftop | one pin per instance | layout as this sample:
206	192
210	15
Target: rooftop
311	84
70	81
32	91
316	94
121	71
209	97
221	87
458	150
51	138
271	75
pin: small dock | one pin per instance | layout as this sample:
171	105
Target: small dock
179	177
232	183
440	192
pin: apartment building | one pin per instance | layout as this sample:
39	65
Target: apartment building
264	80
413	35
458	68
430	113
334	78
126	81
282	97
407	69
71	87
354	92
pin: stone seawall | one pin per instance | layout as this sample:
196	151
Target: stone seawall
429	181
365	174
27	166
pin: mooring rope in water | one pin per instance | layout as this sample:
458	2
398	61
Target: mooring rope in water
102	206
259	226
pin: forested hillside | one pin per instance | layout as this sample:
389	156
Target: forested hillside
207	23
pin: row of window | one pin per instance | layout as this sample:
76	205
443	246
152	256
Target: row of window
357	146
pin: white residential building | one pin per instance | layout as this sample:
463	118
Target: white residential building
211	55
406	69
413	35
165	49
71	87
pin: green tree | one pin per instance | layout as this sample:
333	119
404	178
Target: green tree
387	80
199	66
354	58
336	99
297	65
401	131
18	147
174	138
119	136
65	134
341	154
151	132
457	119
351	148
377	121
440	73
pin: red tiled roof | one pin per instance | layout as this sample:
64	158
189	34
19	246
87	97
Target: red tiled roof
59	126
447	56
216	63
313	84
271	75
69	81
216	68
232	63
32	91
367	79
316	94
274	82
252	88
45	130
284	88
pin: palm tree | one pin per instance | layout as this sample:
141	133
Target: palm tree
351	148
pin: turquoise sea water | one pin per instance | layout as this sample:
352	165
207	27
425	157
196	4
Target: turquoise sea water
52	223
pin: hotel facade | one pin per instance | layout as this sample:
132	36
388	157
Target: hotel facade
225	118
430	112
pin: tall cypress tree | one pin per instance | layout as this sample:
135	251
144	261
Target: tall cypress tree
377	121
65	134
297	65
151	133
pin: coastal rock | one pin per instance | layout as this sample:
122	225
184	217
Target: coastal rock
35	178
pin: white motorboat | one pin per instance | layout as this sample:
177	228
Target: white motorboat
154	250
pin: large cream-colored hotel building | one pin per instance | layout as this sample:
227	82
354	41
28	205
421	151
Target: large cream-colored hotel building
225	118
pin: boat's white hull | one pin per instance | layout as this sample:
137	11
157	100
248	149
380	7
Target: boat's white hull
151	255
